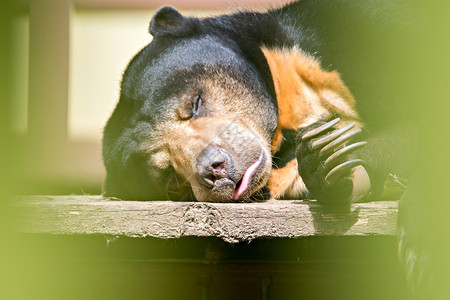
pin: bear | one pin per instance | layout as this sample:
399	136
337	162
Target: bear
295	102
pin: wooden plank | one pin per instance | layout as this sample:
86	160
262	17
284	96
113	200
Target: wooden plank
232	222
179	4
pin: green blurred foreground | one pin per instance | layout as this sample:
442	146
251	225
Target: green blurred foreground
52	268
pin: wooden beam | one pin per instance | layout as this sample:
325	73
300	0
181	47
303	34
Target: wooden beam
179	4
49	71
232	222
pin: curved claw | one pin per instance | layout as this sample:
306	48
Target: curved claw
331	137
320	129
340	170
337	142
335	158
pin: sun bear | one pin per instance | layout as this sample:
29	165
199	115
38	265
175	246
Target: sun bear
304	101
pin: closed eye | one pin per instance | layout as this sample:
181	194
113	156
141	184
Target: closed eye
196	105
190	109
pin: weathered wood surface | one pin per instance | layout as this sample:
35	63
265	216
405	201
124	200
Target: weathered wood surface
232	222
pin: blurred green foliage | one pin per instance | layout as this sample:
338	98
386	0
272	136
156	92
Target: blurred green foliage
22	267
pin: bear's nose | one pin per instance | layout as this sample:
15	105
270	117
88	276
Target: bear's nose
213	167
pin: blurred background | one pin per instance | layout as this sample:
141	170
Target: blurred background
66	64
60	69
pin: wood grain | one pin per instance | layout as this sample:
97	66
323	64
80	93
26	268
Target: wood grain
232	222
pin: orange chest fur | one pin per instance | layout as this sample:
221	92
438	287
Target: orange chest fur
305	94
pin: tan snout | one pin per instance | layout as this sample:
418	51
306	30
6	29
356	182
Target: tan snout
215	155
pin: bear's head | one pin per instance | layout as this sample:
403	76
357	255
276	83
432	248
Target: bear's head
197	113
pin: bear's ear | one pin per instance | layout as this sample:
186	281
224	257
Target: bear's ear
168	21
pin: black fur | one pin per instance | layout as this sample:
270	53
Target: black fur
286	153
367	43
361	39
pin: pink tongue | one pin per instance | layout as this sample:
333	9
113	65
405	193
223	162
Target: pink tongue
246	178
